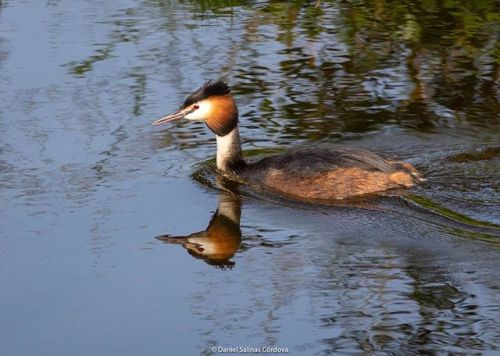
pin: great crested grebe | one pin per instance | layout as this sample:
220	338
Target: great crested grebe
315	173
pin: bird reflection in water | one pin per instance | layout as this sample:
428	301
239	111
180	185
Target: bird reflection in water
218	243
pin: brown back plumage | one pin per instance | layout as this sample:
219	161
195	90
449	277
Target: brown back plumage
330	173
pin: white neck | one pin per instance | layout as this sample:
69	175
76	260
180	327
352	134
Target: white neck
228	150
230	207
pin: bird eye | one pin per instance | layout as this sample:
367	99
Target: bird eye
196	107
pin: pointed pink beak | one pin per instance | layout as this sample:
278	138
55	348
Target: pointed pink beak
178	115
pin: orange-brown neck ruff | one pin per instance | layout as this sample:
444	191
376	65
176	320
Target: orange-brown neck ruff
223	116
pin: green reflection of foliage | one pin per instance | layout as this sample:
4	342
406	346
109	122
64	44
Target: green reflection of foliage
125	30
216	6
450	49
481	155
411	29
453	215
436	296
80	68
332	50
139	90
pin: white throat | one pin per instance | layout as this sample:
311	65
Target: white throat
228	150
230	207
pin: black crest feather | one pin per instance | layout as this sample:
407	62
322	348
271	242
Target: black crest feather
210	88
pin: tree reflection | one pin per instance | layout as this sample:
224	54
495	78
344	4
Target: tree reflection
313	70
360	64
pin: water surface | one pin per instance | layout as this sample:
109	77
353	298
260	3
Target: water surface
86	184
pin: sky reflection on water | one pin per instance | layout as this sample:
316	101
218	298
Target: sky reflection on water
86	183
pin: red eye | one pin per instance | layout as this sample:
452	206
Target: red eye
196	107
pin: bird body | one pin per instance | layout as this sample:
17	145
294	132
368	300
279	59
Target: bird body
321	172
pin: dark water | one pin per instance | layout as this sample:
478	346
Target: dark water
86	183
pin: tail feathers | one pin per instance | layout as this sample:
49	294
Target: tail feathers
407	175
403	179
